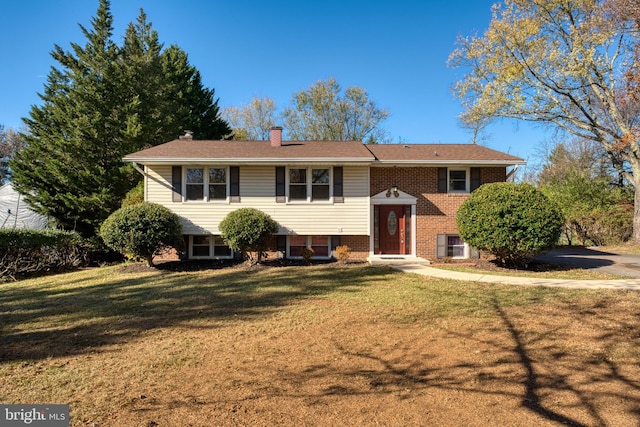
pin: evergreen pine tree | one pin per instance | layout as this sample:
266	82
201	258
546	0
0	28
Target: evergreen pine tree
70	168
100	104
195	107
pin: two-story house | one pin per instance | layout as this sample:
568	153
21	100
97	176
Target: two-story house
380	200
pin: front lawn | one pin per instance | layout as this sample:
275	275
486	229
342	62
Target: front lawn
320	345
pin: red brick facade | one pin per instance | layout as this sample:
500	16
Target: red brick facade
435	212
359	246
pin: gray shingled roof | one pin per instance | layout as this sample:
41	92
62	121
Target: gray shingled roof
192	151
438	153
258	151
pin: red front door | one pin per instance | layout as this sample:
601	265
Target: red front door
392	229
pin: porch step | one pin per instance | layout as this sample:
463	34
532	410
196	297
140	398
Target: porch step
396	260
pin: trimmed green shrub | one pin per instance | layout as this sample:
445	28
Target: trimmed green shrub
596	212
610	225
248	231
512	221
31	252
143	230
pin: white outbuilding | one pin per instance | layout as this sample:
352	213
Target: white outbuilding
16	213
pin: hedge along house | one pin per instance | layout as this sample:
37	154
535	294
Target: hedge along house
383	201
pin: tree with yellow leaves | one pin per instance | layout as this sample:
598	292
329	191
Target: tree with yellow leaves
572	64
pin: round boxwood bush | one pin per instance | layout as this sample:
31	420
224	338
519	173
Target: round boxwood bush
248	230
143	230
512	221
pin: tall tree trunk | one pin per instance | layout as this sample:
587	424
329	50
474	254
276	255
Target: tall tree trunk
636	211
634	179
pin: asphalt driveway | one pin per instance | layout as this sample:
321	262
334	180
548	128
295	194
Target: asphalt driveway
592	258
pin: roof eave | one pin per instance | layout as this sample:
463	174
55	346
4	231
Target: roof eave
254	161
333	160
448	162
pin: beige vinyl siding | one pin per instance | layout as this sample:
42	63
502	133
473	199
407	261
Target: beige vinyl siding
257	190
158	185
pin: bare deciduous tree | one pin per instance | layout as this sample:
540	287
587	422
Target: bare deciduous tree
253	121
10	143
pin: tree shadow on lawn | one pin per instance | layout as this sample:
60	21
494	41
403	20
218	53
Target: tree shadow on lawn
39	321
513	362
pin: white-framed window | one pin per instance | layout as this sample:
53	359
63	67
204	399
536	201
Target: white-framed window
208	246
458	180
452	246
217	184
321	246
206	184
309	184
297	184
320	184
455	247
195	184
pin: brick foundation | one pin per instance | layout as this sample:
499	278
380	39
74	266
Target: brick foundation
359	246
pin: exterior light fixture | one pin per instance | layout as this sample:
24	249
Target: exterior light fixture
393	190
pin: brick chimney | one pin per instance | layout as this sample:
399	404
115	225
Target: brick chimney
276	136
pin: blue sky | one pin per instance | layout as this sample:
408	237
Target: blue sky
396	50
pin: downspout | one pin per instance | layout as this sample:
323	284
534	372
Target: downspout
139	169
513	171
144	175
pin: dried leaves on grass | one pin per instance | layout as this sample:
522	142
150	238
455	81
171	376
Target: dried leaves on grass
324	345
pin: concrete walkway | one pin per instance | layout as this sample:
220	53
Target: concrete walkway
619	284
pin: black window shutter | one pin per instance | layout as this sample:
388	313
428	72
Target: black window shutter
280	184
474	253
475	178
176	183
234	184
442	180
338	196
441	250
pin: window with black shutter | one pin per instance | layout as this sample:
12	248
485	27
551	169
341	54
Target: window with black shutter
338	196
281	195
176	183
234	184
442	180
475	178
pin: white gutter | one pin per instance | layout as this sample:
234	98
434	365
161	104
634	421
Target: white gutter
387	163
324	160
247	160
